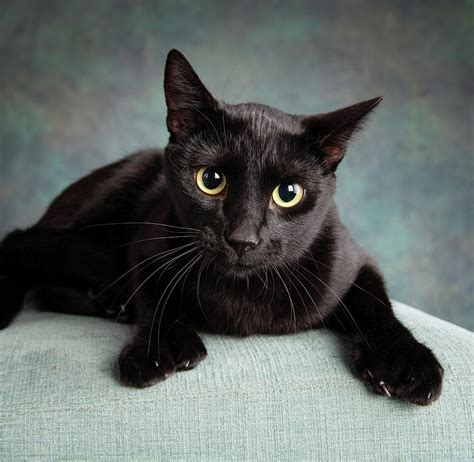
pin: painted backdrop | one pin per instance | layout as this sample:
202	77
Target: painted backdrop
81	85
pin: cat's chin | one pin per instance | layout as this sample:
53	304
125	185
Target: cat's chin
243	271
237	268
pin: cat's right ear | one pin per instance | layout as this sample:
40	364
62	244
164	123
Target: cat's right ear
188	101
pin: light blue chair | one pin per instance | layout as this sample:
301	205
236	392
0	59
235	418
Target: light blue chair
260	398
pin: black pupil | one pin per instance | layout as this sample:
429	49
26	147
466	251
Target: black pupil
212	178
287	192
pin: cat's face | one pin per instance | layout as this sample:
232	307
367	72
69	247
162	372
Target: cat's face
253	188
256	181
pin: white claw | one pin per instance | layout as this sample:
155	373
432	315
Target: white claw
384	388
157	364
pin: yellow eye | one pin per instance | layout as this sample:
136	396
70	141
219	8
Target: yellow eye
210	180
287	194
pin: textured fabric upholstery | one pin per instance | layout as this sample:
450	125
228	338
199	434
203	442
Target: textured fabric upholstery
260	398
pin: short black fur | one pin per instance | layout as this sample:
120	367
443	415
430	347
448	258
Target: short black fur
138	241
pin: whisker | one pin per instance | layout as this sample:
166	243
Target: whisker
353	283
139	272
314	287
151	239
176	278
289	297
171	264
203	265
160	254
135	223
264	284
273	285
201	253
288	272
342	304
152	274
309	295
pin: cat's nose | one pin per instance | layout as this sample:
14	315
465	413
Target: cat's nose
242	240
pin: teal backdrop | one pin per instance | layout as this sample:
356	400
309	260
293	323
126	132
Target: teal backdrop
81	85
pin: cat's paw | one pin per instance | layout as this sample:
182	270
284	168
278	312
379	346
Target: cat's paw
120	314
408	370
137	369
182	350
107	306
188	348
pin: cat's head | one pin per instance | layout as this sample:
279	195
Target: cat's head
257	181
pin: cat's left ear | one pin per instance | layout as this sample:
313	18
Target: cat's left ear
188	101
329	133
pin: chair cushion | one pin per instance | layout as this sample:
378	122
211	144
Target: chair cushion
259	398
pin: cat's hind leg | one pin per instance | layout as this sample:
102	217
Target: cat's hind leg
62	264
79	301
12	295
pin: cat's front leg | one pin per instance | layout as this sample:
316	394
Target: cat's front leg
385	354
151	358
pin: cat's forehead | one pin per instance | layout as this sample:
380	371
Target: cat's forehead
256	133
263	121
252	137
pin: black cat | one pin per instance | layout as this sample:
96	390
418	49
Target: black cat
231	229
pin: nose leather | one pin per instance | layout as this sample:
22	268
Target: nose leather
242	239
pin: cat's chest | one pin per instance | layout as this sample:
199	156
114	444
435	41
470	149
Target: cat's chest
263	306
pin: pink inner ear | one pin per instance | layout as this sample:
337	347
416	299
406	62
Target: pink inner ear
333	151
175	123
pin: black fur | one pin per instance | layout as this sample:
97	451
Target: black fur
232	263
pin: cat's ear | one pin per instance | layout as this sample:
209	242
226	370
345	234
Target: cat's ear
187	99
330	132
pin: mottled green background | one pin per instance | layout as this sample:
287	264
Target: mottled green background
81	85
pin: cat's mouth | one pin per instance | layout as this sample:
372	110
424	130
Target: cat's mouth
233	265
242	271
242	267
245	267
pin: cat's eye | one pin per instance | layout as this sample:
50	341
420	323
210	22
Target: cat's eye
287	194
210	180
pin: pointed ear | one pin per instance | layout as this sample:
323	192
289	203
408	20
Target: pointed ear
331	132
187	98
